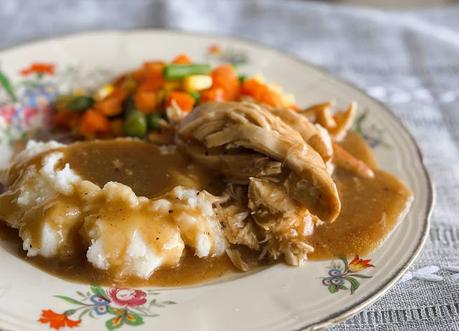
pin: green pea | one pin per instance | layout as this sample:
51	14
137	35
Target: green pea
153	121
135	125
80	103
242	78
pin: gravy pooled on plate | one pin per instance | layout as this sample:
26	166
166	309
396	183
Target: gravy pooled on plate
244	186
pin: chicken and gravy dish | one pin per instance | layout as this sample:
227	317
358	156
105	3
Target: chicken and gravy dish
229	184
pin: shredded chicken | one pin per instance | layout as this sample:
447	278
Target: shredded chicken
237	226
228	127
337	124
236	259
277	163
312	134
345	160
285	223
237	167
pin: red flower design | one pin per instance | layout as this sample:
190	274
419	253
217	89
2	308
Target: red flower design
29	113
214	49
57	321
127	297
358	264
7	113
38	68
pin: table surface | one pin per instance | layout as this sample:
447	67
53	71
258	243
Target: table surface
407	59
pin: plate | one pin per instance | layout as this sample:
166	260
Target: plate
276	298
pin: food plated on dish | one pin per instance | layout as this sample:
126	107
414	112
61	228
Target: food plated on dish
176	173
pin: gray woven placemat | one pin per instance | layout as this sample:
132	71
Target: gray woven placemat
409	60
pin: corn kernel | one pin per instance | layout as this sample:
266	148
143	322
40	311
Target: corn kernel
288	100
78	92
275	87
259	78
172	85
104	92
196	83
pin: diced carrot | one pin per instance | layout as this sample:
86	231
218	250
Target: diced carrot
94	123
182	59
183	100
150	85
212	94
225	77
253	88
261	93
145	101
119	80
113	104
138	74
67	119
271	98
152	79
154	69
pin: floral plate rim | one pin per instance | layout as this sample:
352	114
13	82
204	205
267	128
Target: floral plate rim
375	294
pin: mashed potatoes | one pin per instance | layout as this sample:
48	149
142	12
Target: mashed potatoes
60	213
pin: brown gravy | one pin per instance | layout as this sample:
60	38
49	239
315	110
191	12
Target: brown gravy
191	270
370	210
124	162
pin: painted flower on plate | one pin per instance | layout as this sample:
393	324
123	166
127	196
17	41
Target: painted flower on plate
39	69
127	297
358	264
343	274
57	321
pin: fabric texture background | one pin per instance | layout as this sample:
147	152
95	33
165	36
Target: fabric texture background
409	60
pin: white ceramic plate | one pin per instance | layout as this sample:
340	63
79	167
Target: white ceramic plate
277	298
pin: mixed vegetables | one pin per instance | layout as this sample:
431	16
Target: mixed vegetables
144	101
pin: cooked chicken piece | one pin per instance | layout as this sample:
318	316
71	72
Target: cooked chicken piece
320	113
237	167
314	135
285	222
233	214
236	259
345	160
337	124
251	126
237	226
344	122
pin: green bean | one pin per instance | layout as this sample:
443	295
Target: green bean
242	78
178	71
135	125
80	103
153	121
196	96
129	105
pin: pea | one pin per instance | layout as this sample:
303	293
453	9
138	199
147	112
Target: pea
242	78
135	125
80	103
153	121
